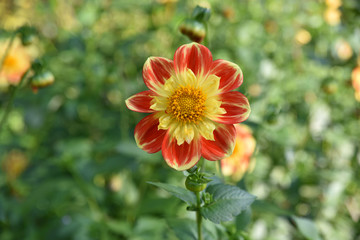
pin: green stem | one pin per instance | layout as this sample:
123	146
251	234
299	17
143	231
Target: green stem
206	40
13	90
218	168
198	216
7	49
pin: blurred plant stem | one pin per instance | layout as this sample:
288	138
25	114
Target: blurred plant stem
7	50
13	90
218	169
198	215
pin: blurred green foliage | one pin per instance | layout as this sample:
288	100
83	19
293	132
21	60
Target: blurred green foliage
75	171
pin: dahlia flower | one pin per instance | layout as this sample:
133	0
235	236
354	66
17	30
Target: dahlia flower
355	78
239	162
192	107
16	63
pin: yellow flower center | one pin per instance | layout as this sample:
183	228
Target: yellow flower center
9	62
186	104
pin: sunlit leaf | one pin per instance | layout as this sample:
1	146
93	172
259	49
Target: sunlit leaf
228	202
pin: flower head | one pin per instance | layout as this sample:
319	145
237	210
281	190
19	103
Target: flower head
15	64
332	16
14	163
192	105
355	77
239	162
343	50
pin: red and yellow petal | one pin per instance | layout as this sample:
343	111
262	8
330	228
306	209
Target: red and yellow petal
140	102
180	157
147	135
223	146
230	74
156	71
193	56
237	108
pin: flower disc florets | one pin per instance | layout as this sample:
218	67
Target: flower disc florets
186	104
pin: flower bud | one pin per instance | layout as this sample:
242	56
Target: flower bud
37	65
193	29
41	80
201	14
196	182
207	197
27	35
194	185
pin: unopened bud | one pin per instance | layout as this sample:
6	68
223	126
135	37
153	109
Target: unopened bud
27	35
193	29
201	14
41	80
194	185
196	182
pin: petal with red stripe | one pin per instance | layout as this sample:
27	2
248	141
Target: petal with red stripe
230	74
193	56
147	135
237	108
223	146
180	157
156	71
140	102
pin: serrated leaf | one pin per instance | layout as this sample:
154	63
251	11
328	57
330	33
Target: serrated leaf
307	228
181	193
228	202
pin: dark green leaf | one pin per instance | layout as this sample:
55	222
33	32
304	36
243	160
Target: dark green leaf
119	227
181	193
243	219
228	201
184	229
307	228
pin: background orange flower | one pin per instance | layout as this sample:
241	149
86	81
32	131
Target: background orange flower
239	162
15	64
355	76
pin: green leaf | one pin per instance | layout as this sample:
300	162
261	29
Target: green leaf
181	193
243	219
306	227
228	201
262	206
186	229
148	227
119	227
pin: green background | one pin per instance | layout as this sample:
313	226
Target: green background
85	177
